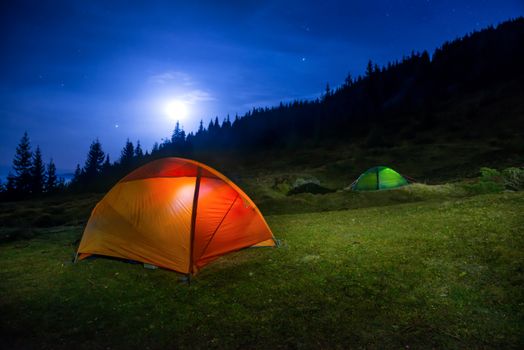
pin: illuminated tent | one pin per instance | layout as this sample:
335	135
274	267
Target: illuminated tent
378	178
174	213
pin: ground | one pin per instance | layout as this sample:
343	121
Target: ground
430	271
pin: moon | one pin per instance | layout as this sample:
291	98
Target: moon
176	110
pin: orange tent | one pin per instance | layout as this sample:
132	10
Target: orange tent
174	213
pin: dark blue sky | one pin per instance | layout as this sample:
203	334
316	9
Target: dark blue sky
72	71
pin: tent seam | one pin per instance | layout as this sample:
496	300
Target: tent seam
220	224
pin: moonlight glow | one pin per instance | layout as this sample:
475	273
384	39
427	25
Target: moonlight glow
176	110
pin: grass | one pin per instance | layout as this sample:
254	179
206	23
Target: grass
441	272
275	203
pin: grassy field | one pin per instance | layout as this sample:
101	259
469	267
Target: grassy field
439	272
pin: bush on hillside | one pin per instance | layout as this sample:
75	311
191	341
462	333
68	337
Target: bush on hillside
493	180
513	178
290	185
310	187
282	184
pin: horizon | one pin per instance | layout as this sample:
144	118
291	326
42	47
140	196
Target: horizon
141	88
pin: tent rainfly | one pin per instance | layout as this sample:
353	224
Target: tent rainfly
174	213
378	178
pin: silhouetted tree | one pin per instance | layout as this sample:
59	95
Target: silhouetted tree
77	176
348	81
107	164
139	154
22	166
37	173
94	161
200	128
327	92
10	186
51	181
178	140
179	135
226	124
127	154
155	148
369	69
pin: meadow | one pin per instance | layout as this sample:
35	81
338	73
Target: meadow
419	267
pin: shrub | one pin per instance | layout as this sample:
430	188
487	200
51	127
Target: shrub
290	185
310	188
490	181
303	181
490	175
513	179
282	184
308	185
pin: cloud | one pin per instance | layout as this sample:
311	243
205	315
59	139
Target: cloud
171	77
197	96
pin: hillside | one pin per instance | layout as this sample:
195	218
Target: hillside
432	118
470	88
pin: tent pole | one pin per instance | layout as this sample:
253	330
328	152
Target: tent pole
193	221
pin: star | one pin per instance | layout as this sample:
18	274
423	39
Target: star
303	59
116	126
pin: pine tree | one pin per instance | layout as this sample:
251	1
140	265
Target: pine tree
328	91
127	154
175	136
369	69
10	186
94	161
37	173
107	163
78	179
51	183
200	128
226	124
22	166
348	81
77	176
155	148
211	127
189	140
138	150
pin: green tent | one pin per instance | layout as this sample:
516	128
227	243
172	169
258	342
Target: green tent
379	178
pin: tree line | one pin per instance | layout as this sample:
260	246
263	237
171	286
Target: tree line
30	176
387	104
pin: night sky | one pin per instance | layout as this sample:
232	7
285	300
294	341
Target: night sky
73	71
